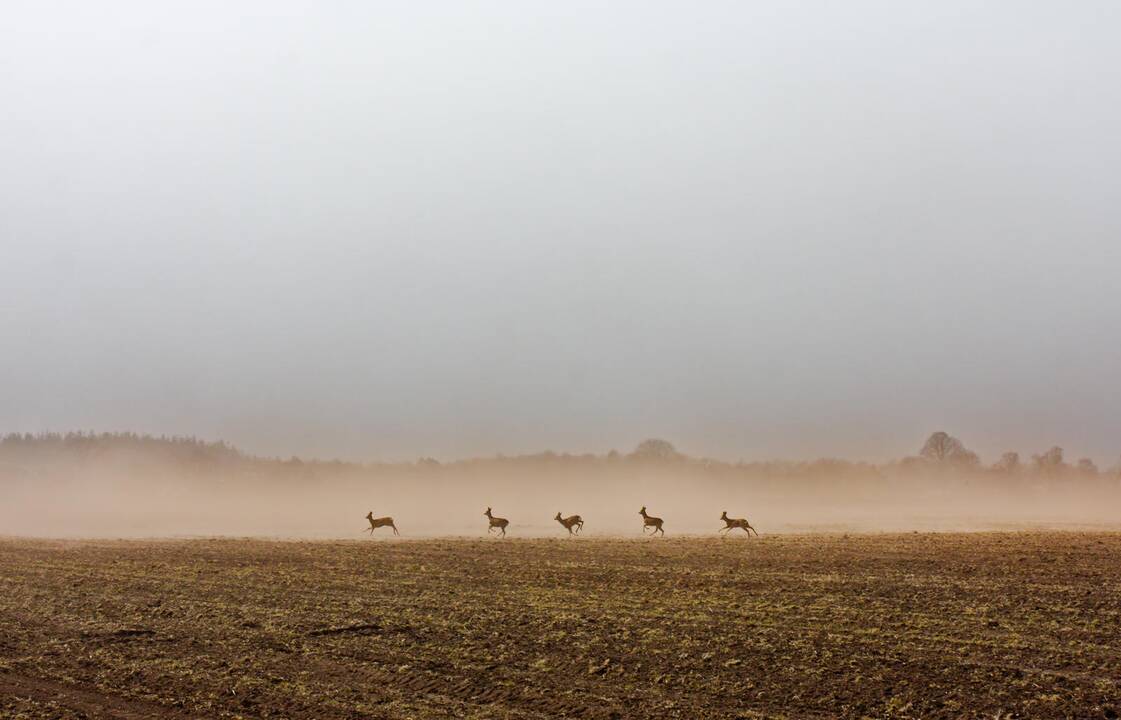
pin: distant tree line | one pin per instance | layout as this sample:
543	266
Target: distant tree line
942	453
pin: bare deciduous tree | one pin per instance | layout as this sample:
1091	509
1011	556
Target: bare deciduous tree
1050	462
655	449
945	449
1009	463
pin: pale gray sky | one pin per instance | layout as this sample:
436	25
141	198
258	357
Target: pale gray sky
383	230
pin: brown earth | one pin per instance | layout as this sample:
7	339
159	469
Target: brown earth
918	625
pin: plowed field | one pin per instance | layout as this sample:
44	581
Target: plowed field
918	625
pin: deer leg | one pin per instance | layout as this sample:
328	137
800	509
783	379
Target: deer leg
663	532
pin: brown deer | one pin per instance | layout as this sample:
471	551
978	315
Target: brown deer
651	521
376	523
733	523
496	522
569	522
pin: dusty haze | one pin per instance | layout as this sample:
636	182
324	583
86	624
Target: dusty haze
129	486
388	233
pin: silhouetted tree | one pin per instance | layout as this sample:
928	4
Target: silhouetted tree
1009	463
1050	462
655	449
944	449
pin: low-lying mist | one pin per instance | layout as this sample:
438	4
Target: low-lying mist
131	486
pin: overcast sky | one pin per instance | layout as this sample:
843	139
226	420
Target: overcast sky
384	230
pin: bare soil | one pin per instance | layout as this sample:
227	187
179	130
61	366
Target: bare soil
987	625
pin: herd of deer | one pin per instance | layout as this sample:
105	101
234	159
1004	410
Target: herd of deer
575	521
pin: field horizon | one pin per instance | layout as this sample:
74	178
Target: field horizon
128	485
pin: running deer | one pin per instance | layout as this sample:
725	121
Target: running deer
570	521
651	521
376	523
733	523
496	522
